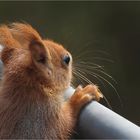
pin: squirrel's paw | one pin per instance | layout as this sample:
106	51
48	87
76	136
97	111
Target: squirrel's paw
84	95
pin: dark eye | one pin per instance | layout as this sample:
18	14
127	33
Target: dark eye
66	59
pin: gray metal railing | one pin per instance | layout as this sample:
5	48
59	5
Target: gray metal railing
97	121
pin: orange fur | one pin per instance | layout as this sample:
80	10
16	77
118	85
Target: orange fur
31	97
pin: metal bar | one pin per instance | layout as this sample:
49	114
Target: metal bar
97	121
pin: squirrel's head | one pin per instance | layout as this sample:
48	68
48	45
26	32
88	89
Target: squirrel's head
31	61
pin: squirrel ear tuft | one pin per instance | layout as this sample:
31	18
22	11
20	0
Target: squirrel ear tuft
23	33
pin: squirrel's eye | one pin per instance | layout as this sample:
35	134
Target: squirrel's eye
66	59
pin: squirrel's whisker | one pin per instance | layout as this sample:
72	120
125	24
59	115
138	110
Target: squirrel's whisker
109	105
110	84
98	69
77	75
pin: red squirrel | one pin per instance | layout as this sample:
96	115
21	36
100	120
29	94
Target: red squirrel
36	73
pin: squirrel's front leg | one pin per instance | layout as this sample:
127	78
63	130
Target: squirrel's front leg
82	96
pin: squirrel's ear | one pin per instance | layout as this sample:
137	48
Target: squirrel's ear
23	33
7	43
26	35
39	52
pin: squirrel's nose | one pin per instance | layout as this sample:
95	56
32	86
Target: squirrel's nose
66	59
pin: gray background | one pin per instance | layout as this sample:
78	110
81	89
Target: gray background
109	30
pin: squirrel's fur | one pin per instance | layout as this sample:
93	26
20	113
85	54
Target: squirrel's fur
34	78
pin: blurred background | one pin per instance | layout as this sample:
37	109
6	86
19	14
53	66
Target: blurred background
103	33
